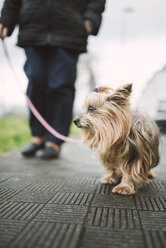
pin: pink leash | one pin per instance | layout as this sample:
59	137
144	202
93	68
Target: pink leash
32	107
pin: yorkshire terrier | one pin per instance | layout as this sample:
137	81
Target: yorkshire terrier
126	141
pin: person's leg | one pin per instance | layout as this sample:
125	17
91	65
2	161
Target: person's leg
35	69
60	91
59	95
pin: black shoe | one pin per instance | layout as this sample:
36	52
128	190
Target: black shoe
48	152
31	149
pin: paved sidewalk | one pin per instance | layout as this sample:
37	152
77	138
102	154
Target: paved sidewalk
61	204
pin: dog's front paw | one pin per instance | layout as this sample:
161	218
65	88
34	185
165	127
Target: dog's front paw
123	190
103	180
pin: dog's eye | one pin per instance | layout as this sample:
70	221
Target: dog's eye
91	109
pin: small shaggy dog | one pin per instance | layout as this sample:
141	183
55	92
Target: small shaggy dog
126	141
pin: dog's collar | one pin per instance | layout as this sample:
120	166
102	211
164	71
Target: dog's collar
95	90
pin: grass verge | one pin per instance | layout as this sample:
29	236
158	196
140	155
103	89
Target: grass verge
15	133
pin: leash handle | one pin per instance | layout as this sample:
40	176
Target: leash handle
10	64
32	107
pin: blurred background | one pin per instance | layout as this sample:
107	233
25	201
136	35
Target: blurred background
130	47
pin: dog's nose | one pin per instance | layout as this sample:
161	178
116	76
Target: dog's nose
76	121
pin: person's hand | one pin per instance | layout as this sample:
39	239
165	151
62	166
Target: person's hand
3	31
88	27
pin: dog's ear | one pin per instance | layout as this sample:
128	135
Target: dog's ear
121	94
125	89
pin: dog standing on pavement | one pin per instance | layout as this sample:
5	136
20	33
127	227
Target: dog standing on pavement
126	141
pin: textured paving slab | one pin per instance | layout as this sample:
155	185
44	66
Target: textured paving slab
61	204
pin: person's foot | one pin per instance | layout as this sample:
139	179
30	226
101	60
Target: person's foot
31	149
49	151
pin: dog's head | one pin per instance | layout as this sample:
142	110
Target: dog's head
105	117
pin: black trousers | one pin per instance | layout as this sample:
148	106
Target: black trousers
51	72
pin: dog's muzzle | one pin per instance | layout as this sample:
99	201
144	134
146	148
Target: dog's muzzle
77	122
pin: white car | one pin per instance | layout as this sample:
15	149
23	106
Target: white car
159	114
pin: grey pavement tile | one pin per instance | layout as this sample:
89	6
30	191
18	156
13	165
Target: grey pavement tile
59	174
155	239
45	186
48	234
153	220
90	173
104	189
114	218
97	237
78	187
16	182
150	203
72	198
87	171
6	194
151	192
156	184
84	180
19	210
114	200
162	174
33	196
9	229
4	176
62	213
75	169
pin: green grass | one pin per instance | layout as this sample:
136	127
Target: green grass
15	133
